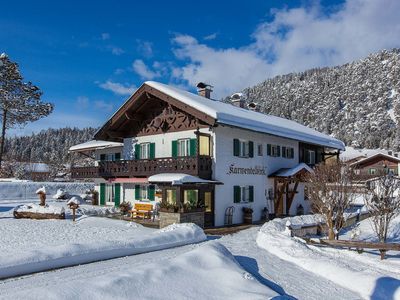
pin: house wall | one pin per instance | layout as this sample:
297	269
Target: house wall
224	158
112	150
163	142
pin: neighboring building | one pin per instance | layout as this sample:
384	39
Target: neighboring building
375	165
186	150
35	171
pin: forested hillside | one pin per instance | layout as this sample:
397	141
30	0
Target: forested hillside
49	146
358	103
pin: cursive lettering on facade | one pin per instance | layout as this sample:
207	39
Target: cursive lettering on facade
246	171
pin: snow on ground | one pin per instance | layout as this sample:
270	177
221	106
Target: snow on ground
207	272
39	245
16	191
364	273
35	208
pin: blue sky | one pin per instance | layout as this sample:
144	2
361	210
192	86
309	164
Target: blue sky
88	56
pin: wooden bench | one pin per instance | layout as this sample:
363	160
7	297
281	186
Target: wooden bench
141	209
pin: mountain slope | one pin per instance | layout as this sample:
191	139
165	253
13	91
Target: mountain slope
358	102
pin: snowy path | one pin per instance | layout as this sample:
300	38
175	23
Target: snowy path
277	274
280	275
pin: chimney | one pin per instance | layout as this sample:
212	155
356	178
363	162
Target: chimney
204	89
253	106
237	100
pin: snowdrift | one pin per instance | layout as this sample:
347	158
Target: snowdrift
207	272
35	211
50	257
361	273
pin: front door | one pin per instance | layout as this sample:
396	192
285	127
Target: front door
209	209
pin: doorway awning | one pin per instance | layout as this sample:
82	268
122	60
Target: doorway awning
179	179
292	172
128	180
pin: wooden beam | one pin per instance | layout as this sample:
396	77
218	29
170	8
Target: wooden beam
133	117
291	197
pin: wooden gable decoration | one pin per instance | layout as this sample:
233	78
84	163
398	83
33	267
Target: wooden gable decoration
149	111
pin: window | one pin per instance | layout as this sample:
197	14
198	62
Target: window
243	148
372	171
208	201
243	194
171	197
310	157
184	147
273	150
204	143
145	192
357	171
190	197
260	149
145	151
392	171
287	152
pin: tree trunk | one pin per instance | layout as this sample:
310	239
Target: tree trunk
3	134
329	223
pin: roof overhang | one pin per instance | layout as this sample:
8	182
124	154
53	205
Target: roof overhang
374	157
300	169
94	145
179	179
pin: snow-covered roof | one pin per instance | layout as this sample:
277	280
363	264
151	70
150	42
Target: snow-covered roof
288	172
386	156
178	179
93	145
352	153
231	115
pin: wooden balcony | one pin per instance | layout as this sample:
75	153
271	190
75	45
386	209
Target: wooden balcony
197	166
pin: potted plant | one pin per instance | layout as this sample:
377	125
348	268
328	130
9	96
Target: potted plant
247	215
124	207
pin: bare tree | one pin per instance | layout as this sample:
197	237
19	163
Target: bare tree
383	203
331	191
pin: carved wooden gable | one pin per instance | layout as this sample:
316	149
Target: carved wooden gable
167	118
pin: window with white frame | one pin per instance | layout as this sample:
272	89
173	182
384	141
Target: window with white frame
260	149
311	157
143	192
274	150
184	147
245	194
244	148
145	151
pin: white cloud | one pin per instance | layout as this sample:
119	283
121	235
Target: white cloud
143	70
209	37
294	40
105	36
145	48
118	88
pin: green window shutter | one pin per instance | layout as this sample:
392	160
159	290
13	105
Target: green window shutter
278	148
236	147
174	149
102	157
236	194
251	149
117	156
152	150
251	193
102	194
269	149
151	191
283	151
137	151
137	192
193	147
117	194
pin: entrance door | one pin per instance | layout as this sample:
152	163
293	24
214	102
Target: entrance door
209	212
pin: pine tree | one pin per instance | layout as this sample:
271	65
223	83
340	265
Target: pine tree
20	101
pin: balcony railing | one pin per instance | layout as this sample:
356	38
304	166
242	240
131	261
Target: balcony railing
197	166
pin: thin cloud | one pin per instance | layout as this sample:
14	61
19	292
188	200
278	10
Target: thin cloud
103	106
209	37
82	102
105	36
116	50
118	88
145	48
